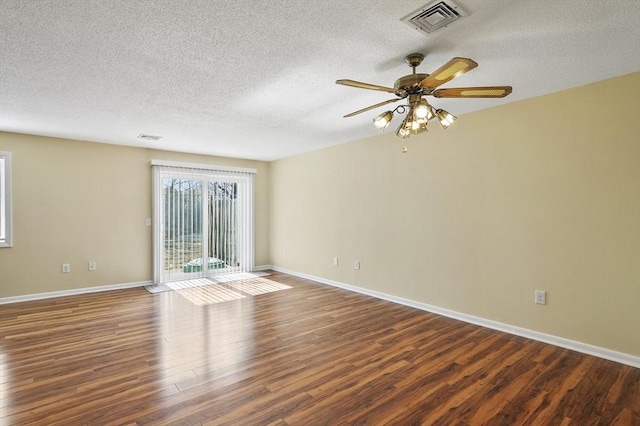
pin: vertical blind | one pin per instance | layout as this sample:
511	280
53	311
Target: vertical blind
203	220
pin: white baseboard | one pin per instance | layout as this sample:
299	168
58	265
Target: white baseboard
40	296
49	295
261	268
585	348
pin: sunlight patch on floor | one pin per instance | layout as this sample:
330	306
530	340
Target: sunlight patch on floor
205	292
179	285
257	286
225	278
209	294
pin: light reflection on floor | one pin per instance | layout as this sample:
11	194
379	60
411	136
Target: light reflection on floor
5	379
211	339
205	339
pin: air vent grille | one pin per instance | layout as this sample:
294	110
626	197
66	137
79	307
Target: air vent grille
149	137
434	16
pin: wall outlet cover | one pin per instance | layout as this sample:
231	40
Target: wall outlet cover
541	297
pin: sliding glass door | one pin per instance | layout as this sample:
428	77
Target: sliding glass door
182	241
204	222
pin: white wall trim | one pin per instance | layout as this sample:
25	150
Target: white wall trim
585	348
86	290
5	202
72	292
262	268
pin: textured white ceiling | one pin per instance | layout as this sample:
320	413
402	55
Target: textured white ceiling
257	79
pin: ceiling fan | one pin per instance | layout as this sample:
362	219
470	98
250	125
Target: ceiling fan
416	85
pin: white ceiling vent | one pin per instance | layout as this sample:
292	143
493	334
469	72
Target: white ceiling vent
146	137
434	16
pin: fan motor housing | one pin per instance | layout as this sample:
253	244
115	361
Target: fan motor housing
410	83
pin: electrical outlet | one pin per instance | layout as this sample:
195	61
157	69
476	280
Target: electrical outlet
147	221
541	297
335	261
356	264
92	266
66	268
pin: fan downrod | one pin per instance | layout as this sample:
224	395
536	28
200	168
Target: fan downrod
411	83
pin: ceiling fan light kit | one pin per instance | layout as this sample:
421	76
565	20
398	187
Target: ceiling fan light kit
382	121
446	118
415	86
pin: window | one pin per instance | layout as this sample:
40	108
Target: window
5	199
203	221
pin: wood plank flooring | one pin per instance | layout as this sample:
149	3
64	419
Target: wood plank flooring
306	355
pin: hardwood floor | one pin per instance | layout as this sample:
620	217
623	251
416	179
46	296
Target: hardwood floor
305	355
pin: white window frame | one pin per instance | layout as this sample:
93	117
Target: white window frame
6	228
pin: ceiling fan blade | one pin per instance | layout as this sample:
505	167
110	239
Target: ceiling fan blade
371	107
360	85
473	92
449	71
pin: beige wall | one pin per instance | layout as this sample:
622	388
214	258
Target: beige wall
540	194
75	202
